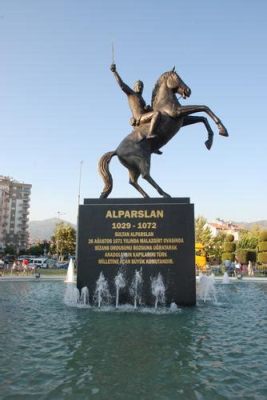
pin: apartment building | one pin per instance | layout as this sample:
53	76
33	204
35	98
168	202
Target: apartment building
227	227
14	213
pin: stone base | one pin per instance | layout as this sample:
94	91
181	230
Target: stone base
151	236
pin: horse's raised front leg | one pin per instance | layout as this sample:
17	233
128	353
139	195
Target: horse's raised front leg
190	120
184	111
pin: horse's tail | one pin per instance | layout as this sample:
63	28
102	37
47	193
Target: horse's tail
103	168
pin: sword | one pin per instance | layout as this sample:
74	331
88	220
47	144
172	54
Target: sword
113	57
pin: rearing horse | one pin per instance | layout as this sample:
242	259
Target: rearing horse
135	154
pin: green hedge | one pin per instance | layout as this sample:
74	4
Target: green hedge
230	238
242	255
263	236
262	246
245	255
228	256
229	247
262	258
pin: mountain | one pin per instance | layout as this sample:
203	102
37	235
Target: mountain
249	225
43	230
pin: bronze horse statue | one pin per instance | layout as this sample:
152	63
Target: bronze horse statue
135	153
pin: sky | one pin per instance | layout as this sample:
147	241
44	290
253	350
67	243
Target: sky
61	108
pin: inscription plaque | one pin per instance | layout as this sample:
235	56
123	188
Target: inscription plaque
148	235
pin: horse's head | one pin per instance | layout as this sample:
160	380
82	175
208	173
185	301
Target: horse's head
172	82
175	83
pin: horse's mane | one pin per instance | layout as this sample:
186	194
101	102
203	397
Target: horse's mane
162	78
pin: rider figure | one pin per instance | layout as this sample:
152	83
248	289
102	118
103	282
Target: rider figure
141	112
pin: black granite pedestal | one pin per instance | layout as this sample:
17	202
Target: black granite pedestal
148	235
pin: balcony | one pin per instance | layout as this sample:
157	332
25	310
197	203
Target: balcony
25	211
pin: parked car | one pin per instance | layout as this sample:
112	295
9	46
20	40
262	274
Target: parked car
62	265
9	259
25	257
51	262
40	262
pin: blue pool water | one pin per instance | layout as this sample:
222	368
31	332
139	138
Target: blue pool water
52	351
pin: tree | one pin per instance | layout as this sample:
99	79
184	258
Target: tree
202	232
10	250
248	240
63	240
39	249
215	249
204	236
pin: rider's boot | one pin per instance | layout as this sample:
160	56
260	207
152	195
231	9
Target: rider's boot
153	125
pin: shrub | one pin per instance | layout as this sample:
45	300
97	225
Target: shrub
242	255
245	255
229	247
263	236
230	238
262	258
228	256
262	246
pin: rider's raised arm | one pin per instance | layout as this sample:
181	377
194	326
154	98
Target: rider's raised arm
122	85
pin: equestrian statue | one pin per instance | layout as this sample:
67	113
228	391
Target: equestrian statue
153	127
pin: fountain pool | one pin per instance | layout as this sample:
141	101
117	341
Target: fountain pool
52	351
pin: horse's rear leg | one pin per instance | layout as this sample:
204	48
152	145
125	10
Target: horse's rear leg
133	177
144	167
148	178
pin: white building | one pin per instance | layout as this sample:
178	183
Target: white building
14	211
221	226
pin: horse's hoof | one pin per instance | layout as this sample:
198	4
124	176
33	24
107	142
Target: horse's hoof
223	132
208	144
